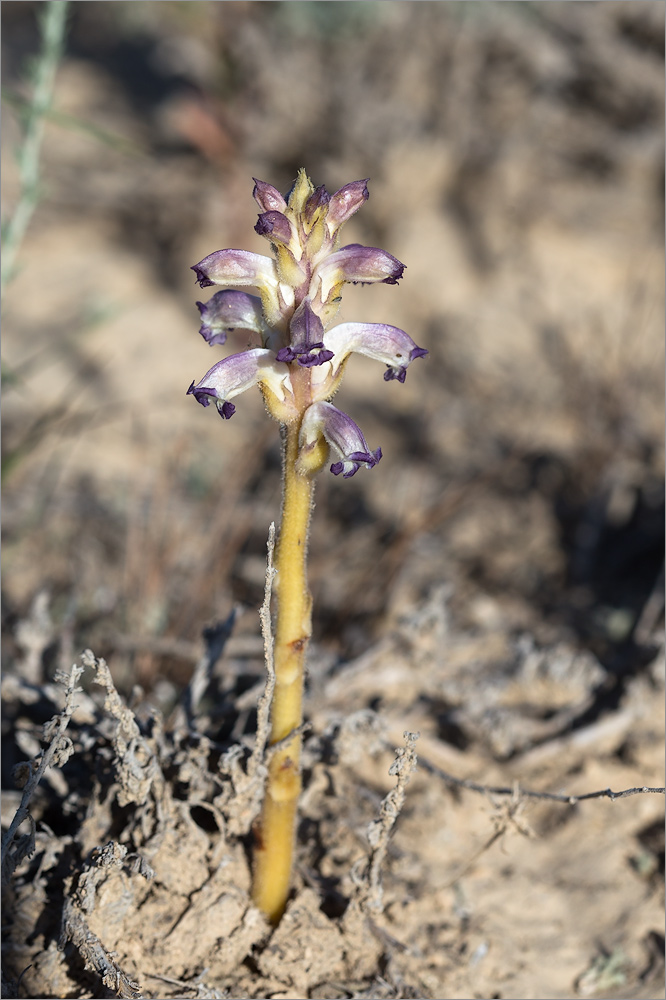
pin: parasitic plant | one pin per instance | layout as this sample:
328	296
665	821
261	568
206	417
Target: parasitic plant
298	367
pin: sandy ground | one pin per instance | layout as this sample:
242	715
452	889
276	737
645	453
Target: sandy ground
493	584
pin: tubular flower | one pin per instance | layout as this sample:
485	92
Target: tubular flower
235	374
341	434
301	361
229	311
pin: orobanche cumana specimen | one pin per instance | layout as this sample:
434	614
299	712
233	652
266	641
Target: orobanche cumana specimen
298	364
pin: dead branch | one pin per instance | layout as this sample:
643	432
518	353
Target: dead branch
136	764
475	786
370	895
94	954
57	753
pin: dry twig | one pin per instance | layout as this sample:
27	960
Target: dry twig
94	954
370	894
57	753
475	786
136	764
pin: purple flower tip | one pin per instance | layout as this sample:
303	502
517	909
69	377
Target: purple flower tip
357	458
211	337
394	278
274	225
399	372
201	278
263	226
285	354
313	360
201	395
369	457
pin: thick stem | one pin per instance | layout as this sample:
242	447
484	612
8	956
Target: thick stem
275	834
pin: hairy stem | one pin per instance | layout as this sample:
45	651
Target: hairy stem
275	835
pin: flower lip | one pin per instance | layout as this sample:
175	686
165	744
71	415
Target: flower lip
354	462
204	396
201	395
310	360
304	354
202	279
306	334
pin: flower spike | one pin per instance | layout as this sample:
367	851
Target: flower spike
300	292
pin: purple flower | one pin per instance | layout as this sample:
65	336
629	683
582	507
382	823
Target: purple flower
357	263
267	197
317	206
378	341
342	435
235	267
353	264
228	311
235	374
306	344
345	203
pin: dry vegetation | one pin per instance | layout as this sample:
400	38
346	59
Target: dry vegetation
494	584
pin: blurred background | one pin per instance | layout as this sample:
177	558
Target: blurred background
516	161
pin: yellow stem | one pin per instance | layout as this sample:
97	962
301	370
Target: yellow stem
276	830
